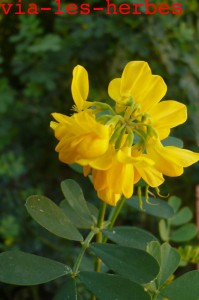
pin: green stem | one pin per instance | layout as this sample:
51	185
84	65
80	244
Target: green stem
154	297
100	222
114	214
101	214
88	239
85	245
35	294
99	234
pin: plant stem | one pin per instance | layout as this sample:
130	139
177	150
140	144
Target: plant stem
101	214
114	214
35	294
89	237
99	234
100	221
85	245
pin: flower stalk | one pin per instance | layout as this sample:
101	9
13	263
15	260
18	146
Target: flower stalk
114	214
100	222
85	245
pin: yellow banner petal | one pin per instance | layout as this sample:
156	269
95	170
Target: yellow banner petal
80	86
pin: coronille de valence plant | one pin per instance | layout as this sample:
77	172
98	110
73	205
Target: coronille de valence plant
121	144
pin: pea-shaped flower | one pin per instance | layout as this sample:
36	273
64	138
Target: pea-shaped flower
143	91
81	137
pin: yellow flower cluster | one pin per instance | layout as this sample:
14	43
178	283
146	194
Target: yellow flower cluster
122	144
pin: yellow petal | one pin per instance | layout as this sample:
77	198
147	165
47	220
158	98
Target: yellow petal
163	163
109	197
183	157
114	90
60	118
121	177
80	86
67	157
128	181
133	71
100	181
92	146
166	115
86	170
115	177
145	88
137	176
149	174
53	125
81	138
104	161
171	160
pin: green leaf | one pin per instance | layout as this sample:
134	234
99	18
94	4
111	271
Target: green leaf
72	216
22	268
134	264
164	230
156	207
74	196
184	215
175	203
93	210
68	291
168	259
109	287
173	141
184	233
51	217
130	236
184	287
75	218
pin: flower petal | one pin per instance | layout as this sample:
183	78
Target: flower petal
133	71
81	138
171	160
121	177
99	179
183	157
109	197
138	82
128	181
166	115
86	170
114	90
60	118
80	86
104	161
149	174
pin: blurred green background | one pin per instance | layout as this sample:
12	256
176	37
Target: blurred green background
37	56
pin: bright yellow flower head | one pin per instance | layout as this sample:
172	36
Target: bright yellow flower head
81	137
143	91
124	170
122	144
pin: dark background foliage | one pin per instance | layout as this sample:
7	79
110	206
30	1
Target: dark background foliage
37	56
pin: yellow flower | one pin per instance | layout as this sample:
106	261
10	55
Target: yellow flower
143	91
81	137
122	146
170	160
80	88
122	172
